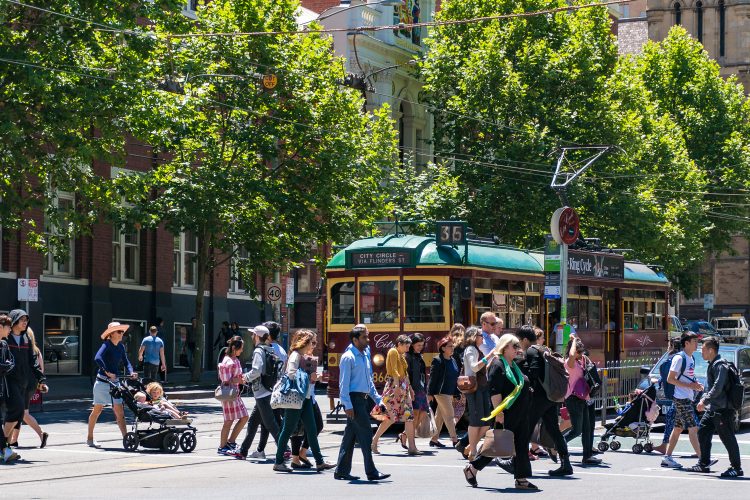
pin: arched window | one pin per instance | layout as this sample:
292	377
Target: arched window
699	20
722	27
677	14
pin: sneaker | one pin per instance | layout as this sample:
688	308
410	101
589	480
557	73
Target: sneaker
232	445
9	455
225	450
670	462
92	444
732	472
699	468
258	455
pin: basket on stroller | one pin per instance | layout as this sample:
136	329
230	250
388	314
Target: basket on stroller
152	428
635	422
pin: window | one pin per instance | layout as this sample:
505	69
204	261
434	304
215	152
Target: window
699	20
126	249
424	301
342	303
185	265
743	361
305	315
722	27
237	283
305	281
378	302
677	14
64	203
181	353
61	347
517	303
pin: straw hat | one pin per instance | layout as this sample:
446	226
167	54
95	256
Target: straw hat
114	327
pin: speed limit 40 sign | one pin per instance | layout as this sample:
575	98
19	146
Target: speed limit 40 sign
273	293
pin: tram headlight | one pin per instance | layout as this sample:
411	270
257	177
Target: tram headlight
331	345
378	360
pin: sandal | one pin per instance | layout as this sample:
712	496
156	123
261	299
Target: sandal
44	440
402	437
470	476
374	448
524	484
415	452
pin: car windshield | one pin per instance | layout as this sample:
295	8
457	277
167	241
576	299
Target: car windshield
701	365
727	323
61	340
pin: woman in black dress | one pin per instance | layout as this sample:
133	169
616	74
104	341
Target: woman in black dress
511	396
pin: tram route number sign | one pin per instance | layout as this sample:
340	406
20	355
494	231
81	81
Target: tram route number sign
450	233
273	293
382	258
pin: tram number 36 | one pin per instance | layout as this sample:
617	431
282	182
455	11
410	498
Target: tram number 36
451	234
378	378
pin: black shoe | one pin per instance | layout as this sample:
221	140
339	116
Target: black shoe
345	477
301	466
436	444
460	448
378	477
506	465
732	472
324	466
44	440
565	468
525	485
470	476
591	461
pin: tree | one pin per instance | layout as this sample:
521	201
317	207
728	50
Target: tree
65	77
270	171
513	91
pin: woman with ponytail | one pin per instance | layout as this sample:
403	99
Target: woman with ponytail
511	396
230	373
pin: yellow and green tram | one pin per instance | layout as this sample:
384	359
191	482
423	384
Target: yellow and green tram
403	283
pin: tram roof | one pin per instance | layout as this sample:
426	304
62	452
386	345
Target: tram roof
426	252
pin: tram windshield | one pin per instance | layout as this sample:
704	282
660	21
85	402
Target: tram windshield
342	303
424	301
378	302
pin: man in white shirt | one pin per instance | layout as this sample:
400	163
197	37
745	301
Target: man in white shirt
682	376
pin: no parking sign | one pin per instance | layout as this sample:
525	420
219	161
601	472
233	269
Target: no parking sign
28	290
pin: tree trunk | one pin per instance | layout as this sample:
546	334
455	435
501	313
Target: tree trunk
202	278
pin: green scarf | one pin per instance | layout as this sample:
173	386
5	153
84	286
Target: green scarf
514	375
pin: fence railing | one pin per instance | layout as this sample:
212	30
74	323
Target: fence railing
619	379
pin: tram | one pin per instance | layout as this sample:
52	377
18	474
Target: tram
404	283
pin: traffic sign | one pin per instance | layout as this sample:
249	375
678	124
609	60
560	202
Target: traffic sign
28	290
273	293
708	301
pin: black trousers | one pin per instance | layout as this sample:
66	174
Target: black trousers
582	419
302	441
521	462
150	371
722	422
357	429
262	414
547	411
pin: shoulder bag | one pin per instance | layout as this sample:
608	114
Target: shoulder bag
467	384
285	395
226	392
591	375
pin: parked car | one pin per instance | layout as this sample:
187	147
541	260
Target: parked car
732	329
60	347
675	327
737	354
701	327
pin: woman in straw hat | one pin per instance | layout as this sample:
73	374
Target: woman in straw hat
109	358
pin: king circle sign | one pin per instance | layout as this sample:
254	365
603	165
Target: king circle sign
565	226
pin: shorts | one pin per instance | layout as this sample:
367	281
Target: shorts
684	416
102	395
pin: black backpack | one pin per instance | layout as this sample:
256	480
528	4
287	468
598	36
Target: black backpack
272	366
734	388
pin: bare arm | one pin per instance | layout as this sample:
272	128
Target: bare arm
140	353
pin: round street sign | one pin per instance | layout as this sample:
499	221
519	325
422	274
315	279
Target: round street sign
270	81
565	226
273	294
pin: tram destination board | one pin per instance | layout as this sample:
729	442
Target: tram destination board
380	258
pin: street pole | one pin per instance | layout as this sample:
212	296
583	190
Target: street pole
564	293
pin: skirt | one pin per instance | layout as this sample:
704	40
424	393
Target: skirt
420	401
479	406
397	399
234	410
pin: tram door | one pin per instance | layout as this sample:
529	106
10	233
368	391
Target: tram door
461	301
612	326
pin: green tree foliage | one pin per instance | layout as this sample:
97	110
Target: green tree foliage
270	171
513	91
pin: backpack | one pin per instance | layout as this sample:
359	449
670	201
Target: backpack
272	366
664	373
734	388
555	382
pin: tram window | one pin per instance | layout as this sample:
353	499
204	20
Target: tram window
595	291
483	283
516	286
532	310
424	301
378	302
516	310
500	285
342	303
659	320
639	315
595	314
533	286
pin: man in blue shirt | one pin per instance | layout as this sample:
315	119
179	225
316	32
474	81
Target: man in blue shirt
357	393
152	353
489	339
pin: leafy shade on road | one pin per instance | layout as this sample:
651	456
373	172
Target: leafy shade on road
512	91
267	172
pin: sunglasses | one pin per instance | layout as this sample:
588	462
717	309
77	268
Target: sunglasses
516	345
491	324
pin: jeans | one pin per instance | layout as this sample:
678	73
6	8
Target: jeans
581	419
444	415
357	429
262	414
547	411
151	371
722	422
291	419
302	441
668	423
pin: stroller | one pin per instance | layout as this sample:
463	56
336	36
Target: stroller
152	428
635	422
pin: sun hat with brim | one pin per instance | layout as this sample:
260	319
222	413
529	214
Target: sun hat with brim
114	327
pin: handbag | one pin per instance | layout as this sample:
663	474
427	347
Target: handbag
285	395
467	384
591	375
226	392
541	437
498	443
427	427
